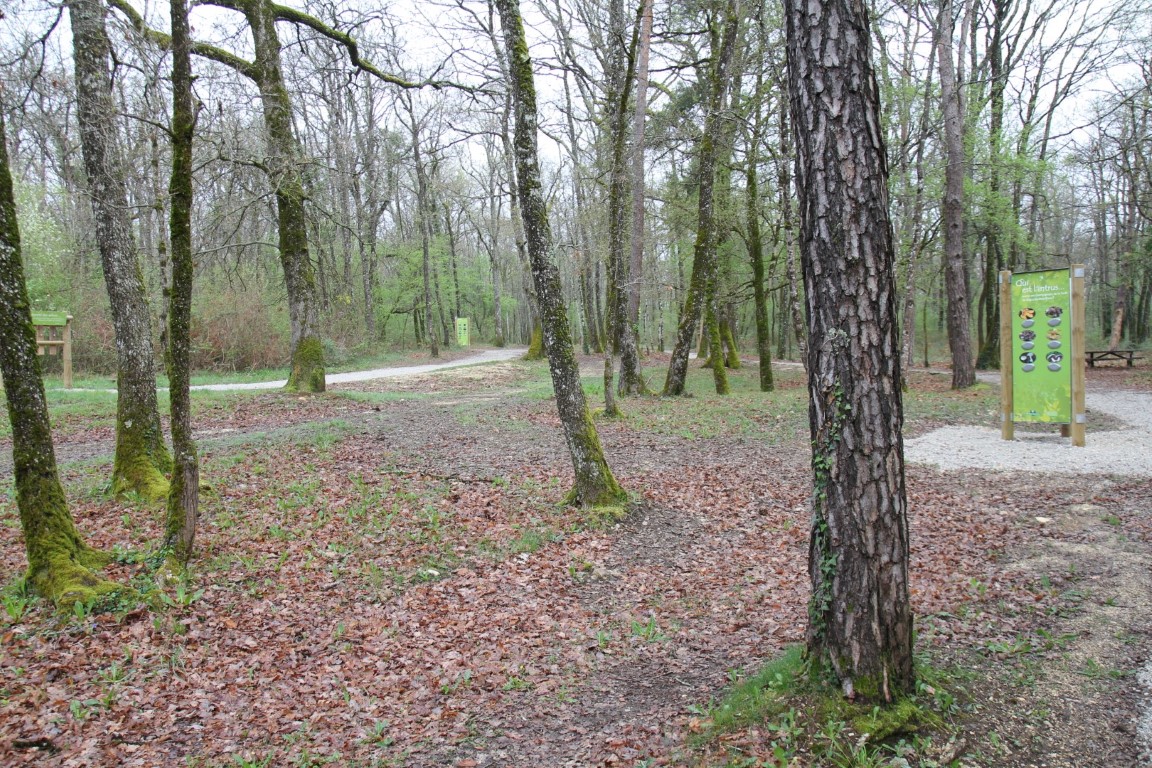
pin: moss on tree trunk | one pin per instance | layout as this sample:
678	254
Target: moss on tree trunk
704	254
141	458
860	615
283	164
184	493
60	565
594	484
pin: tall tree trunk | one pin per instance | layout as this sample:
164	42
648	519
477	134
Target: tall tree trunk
183	495
451	230
594	483
704	260
955	266
141	458
756	252
988	356
784	175
621	335
859	617
639	113
283	162
60	565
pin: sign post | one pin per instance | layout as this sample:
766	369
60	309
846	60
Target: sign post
54	337
462	336
1042	350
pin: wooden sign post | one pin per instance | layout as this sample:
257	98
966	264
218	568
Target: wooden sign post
54	337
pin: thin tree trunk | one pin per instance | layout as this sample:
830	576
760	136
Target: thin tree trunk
183	495
141	458
795	313
756	251
594	484
61	567
639	114
859	616
621	337
704	261
955	267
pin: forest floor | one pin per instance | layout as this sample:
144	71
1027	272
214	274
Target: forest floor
385	577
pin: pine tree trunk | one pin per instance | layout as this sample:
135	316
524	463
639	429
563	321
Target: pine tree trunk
141	458
184	493
60	564
859	618
594	483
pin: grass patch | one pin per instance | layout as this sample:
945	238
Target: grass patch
783	713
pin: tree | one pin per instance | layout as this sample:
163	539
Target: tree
61	567
594	483
955	266
704	267
141	458
859	616
184	492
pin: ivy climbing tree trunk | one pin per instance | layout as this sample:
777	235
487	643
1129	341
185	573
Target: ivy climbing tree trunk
704	258
859	617
594	483
141	458
60	565
184	493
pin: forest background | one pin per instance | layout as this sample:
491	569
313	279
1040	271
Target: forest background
401	182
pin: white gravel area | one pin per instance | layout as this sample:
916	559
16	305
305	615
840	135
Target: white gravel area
1126	452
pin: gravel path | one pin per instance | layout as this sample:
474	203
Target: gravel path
489	356
1126	452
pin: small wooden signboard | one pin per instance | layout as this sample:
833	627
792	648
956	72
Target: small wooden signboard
54	337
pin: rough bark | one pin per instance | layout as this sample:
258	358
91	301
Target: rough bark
704	258
955	267
60	564
422	217
860	618
184	493
594	484
756	253
784	178
621	332
639	113
141	458
283	163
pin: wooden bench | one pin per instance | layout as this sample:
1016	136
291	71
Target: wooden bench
1100	355
54	337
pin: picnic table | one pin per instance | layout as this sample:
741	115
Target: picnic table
1100	355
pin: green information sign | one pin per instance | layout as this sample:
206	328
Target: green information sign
462	338
1041	340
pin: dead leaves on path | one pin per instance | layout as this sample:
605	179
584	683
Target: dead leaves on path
409	591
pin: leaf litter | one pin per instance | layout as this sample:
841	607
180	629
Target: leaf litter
395	583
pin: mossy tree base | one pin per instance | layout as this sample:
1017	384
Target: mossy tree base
307	367
137	472
536	346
